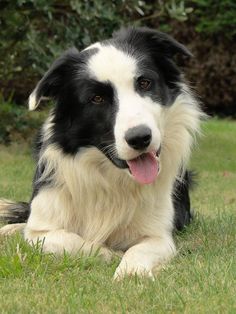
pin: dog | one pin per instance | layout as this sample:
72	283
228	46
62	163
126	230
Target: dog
112	155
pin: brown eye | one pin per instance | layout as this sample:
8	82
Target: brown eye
97	99
144	84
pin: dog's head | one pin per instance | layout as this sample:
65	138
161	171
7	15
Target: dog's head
111	96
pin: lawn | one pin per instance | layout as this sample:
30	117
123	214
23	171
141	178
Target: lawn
201	278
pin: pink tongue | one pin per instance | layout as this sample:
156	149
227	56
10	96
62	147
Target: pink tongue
144	168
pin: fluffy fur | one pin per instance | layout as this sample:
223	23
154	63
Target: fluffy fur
85	196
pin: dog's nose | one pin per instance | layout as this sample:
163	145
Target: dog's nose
139	137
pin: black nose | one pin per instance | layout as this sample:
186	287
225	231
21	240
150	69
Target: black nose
139	137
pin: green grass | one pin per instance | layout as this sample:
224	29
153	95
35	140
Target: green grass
201	279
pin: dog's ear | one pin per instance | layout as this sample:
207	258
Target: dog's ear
154	41
167	44
54	80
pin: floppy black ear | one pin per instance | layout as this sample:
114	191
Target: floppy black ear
154	41
55	78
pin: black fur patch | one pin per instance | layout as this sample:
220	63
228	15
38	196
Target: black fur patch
156	52
181	200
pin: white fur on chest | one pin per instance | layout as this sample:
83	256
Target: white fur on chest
101	203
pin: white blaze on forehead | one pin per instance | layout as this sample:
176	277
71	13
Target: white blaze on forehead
112	64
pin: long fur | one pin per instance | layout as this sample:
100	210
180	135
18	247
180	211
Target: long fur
82	201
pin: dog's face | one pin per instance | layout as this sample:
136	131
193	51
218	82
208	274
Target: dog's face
111	96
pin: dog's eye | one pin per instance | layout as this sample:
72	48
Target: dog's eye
97	99
144	84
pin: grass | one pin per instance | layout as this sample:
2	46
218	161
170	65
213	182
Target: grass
201	279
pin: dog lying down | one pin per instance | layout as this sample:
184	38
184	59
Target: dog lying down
111	157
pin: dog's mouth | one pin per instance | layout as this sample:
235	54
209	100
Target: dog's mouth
144	169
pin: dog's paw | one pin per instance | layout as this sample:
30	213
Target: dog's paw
105	254
128	269
108	255
10	229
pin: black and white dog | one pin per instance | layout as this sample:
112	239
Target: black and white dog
111	157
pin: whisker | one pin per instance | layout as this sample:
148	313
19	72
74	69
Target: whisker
109	149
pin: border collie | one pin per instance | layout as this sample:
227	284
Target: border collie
111	157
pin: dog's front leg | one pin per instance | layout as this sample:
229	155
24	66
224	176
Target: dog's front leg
60	241
142	258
